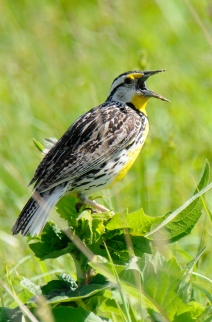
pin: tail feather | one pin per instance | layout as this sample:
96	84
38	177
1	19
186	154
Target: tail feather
36	212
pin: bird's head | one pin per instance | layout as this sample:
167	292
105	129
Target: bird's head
130	87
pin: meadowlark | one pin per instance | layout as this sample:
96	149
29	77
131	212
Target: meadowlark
96	151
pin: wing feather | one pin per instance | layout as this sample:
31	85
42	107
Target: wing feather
93	139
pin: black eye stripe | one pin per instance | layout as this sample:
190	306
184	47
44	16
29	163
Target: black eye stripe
128	80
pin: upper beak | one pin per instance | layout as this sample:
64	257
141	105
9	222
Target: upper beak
147	92
152	72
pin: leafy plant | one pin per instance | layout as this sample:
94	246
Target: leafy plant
121	274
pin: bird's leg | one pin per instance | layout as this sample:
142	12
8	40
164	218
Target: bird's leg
85	200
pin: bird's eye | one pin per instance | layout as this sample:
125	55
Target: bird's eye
128	81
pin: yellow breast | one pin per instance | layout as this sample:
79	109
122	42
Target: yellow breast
132	154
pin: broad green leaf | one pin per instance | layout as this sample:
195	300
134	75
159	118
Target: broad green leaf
52	243
98	225
66	207
118	248
154	281
138	223
55	288
69	314
106	269
58	291
119	251
162	282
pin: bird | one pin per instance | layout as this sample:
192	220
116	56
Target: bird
96	151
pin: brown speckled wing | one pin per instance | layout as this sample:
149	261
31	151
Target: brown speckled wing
90	142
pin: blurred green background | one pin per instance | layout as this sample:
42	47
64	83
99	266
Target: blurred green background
58	59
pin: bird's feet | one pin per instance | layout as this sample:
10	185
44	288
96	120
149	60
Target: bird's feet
86	201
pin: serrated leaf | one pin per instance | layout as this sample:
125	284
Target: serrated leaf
161	281
164	285
160	284
138	223
52	244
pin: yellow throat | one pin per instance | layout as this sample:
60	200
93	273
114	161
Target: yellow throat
140	103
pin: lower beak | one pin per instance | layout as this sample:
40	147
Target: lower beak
149	93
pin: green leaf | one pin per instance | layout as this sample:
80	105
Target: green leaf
206	316
180	223
130	287
57	287
38	145
196	309
156	282
14	315
162	281
110	306
119	251
66	207
59	291
138	223
88	227
51	244
69	314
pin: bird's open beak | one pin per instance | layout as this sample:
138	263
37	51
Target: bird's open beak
148	93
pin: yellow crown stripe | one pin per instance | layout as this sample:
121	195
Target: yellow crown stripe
135	75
